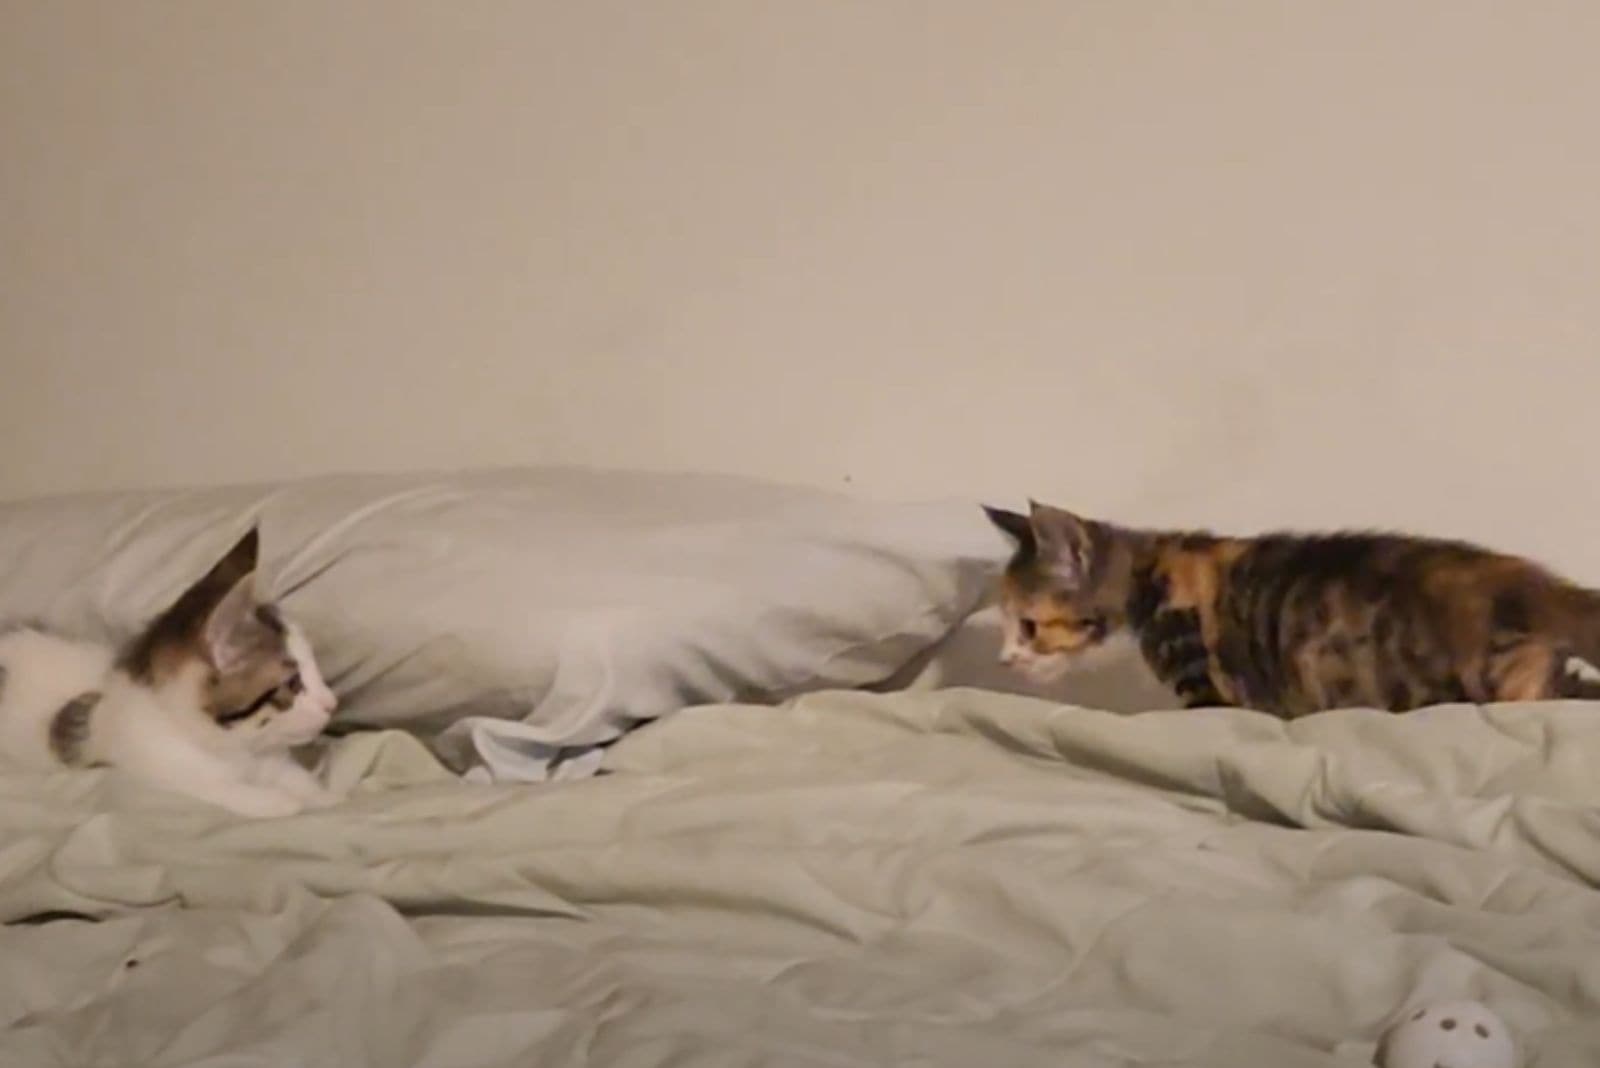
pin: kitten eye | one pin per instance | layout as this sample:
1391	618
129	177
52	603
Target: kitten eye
1028	629
239	715
295	684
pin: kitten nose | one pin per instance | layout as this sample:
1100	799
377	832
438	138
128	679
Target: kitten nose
1008	657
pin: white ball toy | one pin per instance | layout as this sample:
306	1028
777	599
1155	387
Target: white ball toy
1457	1034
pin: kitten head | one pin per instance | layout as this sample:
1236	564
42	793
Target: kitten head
1064	593
248	668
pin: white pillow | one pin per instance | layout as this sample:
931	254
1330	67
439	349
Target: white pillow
521	617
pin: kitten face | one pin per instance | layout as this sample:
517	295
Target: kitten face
1048	634
246	667
1059	611
276	698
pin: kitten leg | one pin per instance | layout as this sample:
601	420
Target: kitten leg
172	763
1534	671
1197	693
283	772
243	798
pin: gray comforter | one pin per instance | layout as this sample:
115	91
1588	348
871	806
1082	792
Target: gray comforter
955	878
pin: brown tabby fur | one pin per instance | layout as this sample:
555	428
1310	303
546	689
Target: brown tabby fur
1292	624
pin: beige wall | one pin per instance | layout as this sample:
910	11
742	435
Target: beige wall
1230	263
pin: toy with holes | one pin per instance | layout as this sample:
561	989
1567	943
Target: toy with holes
1457	1034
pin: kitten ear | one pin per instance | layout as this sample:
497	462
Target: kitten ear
1064	542
236	563
233	632
227	594
1013	524
208	619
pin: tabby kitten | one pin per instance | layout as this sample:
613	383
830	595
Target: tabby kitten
207	701
1293	624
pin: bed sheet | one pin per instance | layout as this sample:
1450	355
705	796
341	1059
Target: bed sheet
947	878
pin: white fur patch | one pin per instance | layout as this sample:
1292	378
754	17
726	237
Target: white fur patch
1053	667
1581	669
43	673
308	716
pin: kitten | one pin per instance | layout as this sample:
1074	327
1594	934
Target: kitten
1293	624
207	701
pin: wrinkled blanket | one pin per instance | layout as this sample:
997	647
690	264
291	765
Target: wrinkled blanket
946	879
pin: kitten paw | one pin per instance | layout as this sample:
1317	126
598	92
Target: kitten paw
308	788
321	798
264	804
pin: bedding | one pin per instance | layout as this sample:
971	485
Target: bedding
951	878
519	619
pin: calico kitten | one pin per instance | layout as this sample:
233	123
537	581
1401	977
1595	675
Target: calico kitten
207	701
1292	624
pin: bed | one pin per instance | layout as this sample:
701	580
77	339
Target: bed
799	871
